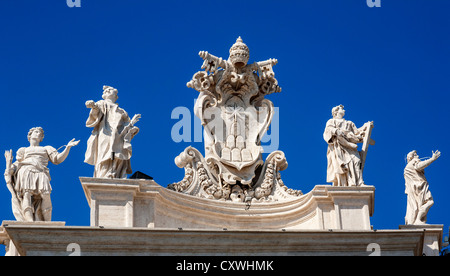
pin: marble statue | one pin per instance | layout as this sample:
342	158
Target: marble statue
235	116
345	162
419	198
28	179
109	146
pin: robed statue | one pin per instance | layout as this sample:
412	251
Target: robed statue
416	187
345	162
109	146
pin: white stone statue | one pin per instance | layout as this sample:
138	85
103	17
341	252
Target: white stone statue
235	116
28	179
419	198
109	147
345	162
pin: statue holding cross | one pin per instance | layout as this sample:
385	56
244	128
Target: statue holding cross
345	162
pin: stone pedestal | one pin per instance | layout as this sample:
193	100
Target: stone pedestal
13	249
45	240
432	237
144	203
140	217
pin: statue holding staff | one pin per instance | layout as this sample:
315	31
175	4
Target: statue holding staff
28	179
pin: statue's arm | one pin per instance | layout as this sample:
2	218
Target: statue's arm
131	124
356	136
420	166
57	158
330	131
95	114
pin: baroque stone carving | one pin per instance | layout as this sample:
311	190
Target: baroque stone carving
419	198
28	179
345	162
109	146
235	116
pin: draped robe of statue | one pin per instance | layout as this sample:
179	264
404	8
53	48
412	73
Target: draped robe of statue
344	161
419	199
33	176
109	147
32	172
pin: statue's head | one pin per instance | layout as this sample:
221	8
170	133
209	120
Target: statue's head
36	133
336	110
110	93
239	54
411	155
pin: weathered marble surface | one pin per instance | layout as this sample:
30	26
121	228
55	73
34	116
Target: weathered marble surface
235	116
33	240
109	146
28	179
345	161
419	198
144	203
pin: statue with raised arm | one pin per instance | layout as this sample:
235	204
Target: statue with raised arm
345	162
419	196
28	179
109	147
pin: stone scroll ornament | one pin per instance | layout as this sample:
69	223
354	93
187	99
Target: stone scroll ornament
235	116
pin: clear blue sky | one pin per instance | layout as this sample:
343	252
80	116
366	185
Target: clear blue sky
390	65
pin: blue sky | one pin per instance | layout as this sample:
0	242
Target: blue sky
390	65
